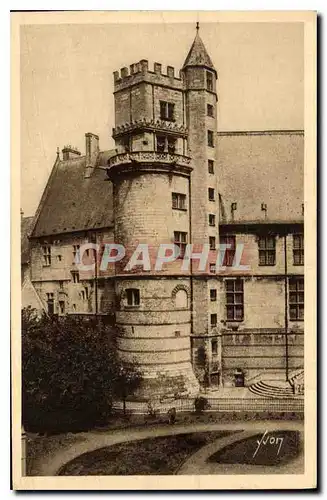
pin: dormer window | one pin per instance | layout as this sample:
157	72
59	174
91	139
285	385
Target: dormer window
167	111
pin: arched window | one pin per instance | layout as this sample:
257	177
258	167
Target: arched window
181	299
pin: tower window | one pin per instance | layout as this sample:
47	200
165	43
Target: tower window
214	347
133	296
212	220
229	254
46	255
296	299
210	139
213	320
161	143
211	194
267	250
213	295
126	143
209	81
171	145
211	167
179	201
180	240
210	110
212	242
234	300
298	250
166	144
167	110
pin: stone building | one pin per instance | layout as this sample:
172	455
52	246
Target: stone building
174	178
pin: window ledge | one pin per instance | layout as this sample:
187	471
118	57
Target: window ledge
180	209
131	307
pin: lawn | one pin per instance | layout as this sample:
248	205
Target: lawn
161	455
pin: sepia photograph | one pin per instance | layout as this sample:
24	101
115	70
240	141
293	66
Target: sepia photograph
165	225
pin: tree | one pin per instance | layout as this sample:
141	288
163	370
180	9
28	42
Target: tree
71	373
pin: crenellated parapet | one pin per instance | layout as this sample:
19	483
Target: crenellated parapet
140	71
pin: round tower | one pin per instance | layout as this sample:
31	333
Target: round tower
151	189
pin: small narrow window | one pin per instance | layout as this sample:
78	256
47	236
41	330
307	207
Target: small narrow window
133	296
211	194
213	294
298	250
213	320
212	268
210	110
62	307
210	139
212	242
211	167
59	258
171	145
214	347
212	220
61	285
50	303
209	81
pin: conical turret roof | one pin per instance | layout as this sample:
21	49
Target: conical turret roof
198	55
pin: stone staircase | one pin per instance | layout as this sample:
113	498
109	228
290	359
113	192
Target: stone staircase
272	389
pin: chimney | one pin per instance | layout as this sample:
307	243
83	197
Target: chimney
91	152
69	152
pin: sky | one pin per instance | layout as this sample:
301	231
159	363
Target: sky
67	81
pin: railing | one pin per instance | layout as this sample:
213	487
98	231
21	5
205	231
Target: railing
149	157
218	405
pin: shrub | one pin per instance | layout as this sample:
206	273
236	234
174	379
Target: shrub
201	404
70	373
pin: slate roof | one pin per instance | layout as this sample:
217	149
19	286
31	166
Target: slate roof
261	167
26	226
198	55
72	202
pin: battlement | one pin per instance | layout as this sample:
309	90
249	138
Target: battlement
139	71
